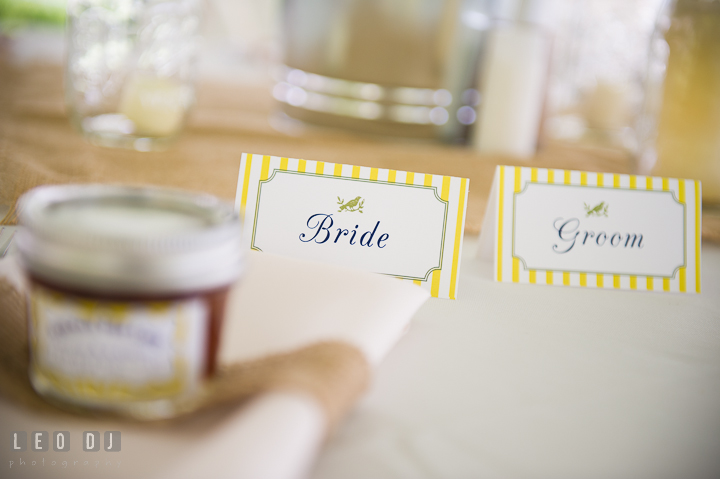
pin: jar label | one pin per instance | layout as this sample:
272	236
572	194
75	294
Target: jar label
112	350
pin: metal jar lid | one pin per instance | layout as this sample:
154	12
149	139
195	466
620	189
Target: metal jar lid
129	240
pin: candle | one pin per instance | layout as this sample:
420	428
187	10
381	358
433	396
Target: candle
155	105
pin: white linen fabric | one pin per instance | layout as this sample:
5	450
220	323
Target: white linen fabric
525	381
280	305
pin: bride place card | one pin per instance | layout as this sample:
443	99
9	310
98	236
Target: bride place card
594	230
402	224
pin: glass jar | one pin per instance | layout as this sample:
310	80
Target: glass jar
127	292
128	73
681	118
596	80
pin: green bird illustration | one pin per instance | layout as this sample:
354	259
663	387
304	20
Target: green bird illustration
599	210
351	205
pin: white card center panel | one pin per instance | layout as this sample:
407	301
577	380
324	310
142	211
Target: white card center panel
642	234
395	234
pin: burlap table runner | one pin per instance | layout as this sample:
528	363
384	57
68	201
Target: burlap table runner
334	373
38	146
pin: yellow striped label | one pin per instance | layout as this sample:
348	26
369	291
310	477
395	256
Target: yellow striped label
666	187
445	192
683	278
516	261
451	192
532	274
246	180
458	238
681	198
501	196
444	195
435	289
566	275
698	235
633	185
265	168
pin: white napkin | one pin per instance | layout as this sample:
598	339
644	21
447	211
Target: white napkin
280	305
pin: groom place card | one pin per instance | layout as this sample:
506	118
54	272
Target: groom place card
594	230
407	225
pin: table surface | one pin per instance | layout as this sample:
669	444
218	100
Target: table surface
509	380
517	381
529	381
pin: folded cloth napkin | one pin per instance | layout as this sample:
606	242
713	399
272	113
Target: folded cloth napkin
298	343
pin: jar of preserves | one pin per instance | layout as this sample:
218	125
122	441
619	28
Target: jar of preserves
128	287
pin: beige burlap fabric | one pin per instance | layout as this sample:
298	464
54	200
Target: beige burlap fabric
334	373
38	146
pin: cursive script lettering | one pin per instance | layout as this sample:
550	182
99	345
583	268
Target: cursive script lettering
319	226
569	230
321	223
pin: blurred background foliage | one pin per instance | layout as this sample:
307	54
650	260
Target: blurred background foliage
19	13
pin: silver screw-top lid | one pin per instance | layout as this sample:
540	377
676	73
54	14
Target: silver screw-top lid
122	240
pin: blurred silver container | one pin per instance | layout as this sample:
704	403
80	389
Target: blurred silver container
394	67
129	75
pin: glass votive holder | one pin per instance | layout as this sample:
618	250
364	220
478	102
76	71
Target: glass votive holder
129	69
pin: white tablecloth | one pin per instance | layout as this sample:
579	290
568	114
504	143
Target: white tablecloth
522	381
516	381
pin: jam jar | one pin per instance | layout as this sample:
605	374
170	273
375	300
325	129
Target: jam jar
127	291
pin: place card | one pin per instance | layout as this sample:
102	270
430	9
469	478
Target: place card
402	224
593	230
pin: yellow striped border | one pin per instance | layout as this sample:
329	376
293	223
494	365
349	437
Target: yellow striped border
508	268
441	283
